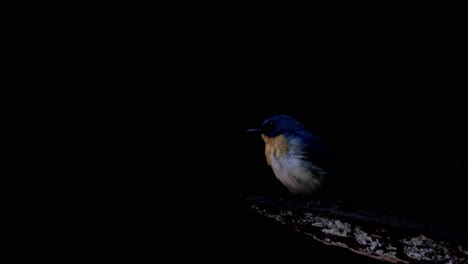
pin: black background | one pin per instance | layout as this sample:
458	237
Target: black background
133	143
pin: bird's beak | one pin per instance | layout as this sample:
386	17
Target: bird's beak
254	130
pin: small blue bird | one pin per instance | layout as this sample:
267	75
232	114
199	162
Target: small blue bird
297	156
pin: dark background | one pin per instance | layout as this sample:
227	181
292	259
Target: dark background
133	144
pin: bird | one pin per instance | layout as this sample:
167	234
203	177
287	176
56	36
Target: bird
298	157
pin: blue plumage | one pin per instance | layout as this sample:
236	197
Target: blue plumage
297	156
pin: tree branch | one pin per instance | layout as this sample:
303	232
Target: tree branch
376	235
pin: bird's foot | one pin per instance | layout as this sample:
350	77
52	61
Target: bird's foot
316	202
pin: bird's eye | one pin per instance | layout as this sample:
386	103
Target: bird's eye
269	125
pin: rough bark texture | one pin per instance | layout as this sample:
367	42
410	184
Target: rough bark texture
379	236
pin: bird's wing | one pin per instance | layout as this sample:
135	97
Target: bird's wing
316	150
320	154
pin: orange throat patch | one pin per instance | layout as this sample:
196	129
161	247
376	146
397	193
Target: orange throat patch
275	147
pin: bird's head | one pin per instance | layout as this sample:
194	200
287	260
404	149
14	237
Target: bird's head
277	125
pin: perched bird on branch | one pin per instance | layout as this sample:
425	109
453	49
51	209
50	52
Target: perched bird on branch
297	156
